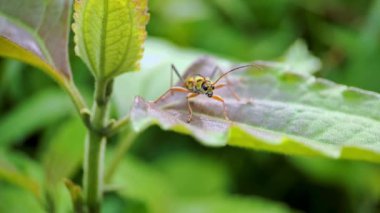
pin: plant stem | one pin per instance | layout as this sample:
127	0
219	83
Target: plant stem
74	94
95	147
122	148
119	125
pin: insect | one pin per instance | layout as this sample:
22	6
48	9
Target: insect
198	84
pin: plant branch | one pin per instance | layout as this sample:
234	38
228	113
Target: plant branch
121	149
116	126
78	101
95	146
75	95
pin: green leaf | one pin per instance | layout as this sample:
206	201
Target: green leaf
16	200
208	177
36	32
140	182
163	192
362	179
109	35
227	204
11	80
298	59
64	153
20	171
279	111
40	110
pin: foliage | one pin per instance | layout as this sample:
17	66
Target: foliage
281	111
109	35
38	113
25	34
41	142
27	37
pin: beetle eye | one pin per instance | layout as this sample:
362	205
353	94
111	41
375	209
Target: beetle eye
204	87
212	87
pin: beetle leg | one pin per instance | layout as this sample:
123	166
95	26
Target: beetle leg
172	90
236	96
190	95
220	86
220	99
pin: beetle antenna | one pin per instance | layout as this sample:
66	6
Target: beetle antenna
177	73
234	69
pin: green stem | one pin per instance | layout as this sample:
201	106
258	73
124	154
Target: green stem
120	151
75	95
118	125
95	147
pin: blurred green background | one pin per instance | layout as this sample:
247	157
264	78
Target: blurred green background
37	120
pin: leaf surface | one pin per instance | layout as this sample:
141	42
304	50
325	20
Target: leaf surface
20	171
208	177
32	114
109	34
226	204
298	59
279	111
17	200
142	182
36	32
63	155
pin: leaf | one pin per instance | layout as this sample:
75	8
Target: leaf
208	177
140	182
64	153
36	112
109	35
298	59
16	200
36	32
362	179
159	56
280	111
18	170
10	174
226	204
11	80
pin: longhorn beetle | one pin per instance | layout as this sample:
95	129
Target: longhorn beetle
198	84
